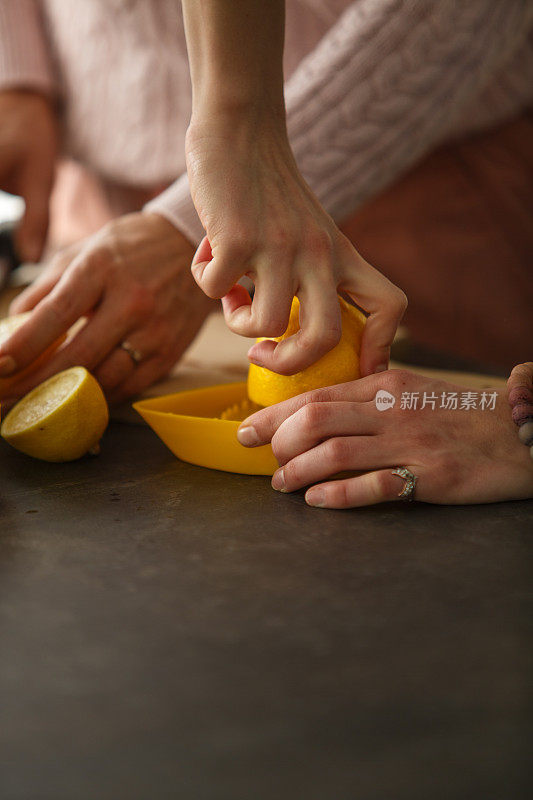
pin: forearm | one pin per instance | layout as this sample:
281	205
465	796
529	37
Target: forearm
235	54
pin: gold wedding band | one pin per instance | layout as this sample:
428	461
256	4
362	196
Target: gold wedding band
135	355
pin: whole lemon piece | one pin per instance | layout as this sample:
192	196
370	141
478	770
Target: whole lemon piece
61	419
337	366
8	326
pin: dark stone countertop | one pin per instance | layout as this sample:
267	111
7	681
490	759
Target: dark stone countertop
168	631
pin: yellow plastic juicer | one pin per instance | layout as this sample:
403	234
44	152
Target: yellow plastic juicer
194	425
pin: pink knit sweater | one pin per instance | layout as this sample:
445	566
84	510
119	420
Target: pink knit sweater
372	85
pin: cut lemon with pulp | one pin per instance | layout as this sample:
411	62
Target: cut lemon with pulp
61	419
339	365
8	326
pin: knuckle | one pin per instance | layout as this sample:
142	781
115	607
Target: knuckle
99	259
396	379
275	327
140	302
318	342
337	494
395	302
60	308
322	395
337	451
282	242
278	445
331	334
313	415
293	475
212	285
319	245
268	322
241	246
399	302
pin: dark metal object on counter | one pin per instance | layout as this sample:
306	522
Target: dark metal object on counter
8	256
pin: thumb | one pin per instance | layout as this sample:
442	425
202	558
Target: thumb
35	188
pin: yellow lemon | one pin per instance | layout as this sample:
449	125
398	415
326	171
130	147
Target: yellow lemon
61	419
8	326
337	366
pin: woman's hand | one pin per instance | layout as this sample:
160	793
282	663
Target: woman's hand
29	141
262	220
459	455
132	282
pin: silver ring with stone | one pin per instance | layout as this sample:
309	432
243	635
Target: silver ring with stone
408	491
135	355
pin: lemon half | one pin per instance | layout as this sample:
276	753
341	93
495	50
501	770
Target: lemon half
339	365
61	419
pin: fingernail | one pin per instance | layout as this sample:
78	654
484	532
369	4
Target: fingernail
7	366
247	436
278	481
316	498
381	368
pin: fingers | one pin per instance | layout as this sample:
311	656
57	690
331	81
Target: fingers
28	299
364	490
233	303
320	331
259	428
378	335
521	376
106	329
114	370
217	271
333	456
268	313
315	422
385	304
144	375
69	300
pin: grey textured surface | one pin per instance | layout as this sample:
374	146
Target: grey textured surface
171	632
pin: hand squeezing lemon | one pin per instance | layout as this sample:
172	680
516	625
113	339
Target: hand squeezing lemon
339	365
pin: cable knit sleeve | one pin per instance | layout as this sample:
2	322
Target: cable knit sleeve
382	89
387	84
176	205
24	58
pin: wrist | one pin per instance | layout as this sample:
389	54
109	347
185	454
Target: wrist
235	105
244	125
